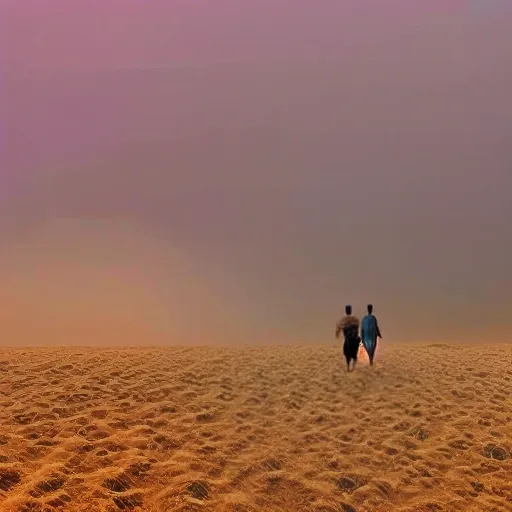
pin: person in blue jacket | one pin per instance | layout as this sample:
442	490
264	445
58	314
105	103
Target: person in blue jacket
369	333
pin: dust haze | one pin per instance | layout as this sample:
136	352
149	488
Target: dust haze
88	282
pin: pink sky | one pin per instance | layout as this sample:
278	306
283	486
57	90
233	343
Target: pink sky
113	34
291	156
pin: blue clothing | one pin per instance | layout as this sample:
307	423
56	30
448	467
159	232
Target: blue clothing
369	328
369	333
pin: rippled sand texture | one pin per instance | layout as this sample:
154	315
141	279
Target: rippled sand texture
266	429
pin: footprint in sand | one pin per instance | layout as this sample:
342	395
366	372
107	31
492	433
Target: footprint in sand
47	486
9	479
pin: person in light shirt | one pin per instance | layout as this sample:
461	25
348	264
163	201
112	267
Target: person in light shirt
349	325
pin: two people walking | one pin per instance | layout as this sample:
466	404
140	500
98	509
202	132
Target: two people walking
370	332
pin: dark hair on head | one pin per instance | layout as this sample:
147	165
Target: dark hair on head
370	308
348	309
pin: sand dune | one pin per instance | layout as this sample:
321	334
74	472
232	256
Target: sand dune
264	429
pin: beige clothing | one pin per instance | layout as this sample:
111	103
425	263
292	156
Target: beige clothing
346	321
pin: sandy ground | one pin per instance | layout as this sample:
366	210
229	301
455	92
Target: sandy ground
264	429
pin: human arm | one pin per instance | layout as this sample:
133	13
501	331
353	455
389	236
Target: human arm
340	326
379	335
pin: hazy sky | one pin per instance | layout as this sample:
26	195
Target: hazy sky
196	170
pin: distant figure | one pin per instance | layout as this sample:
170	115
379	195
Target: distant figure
350	326
369	333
